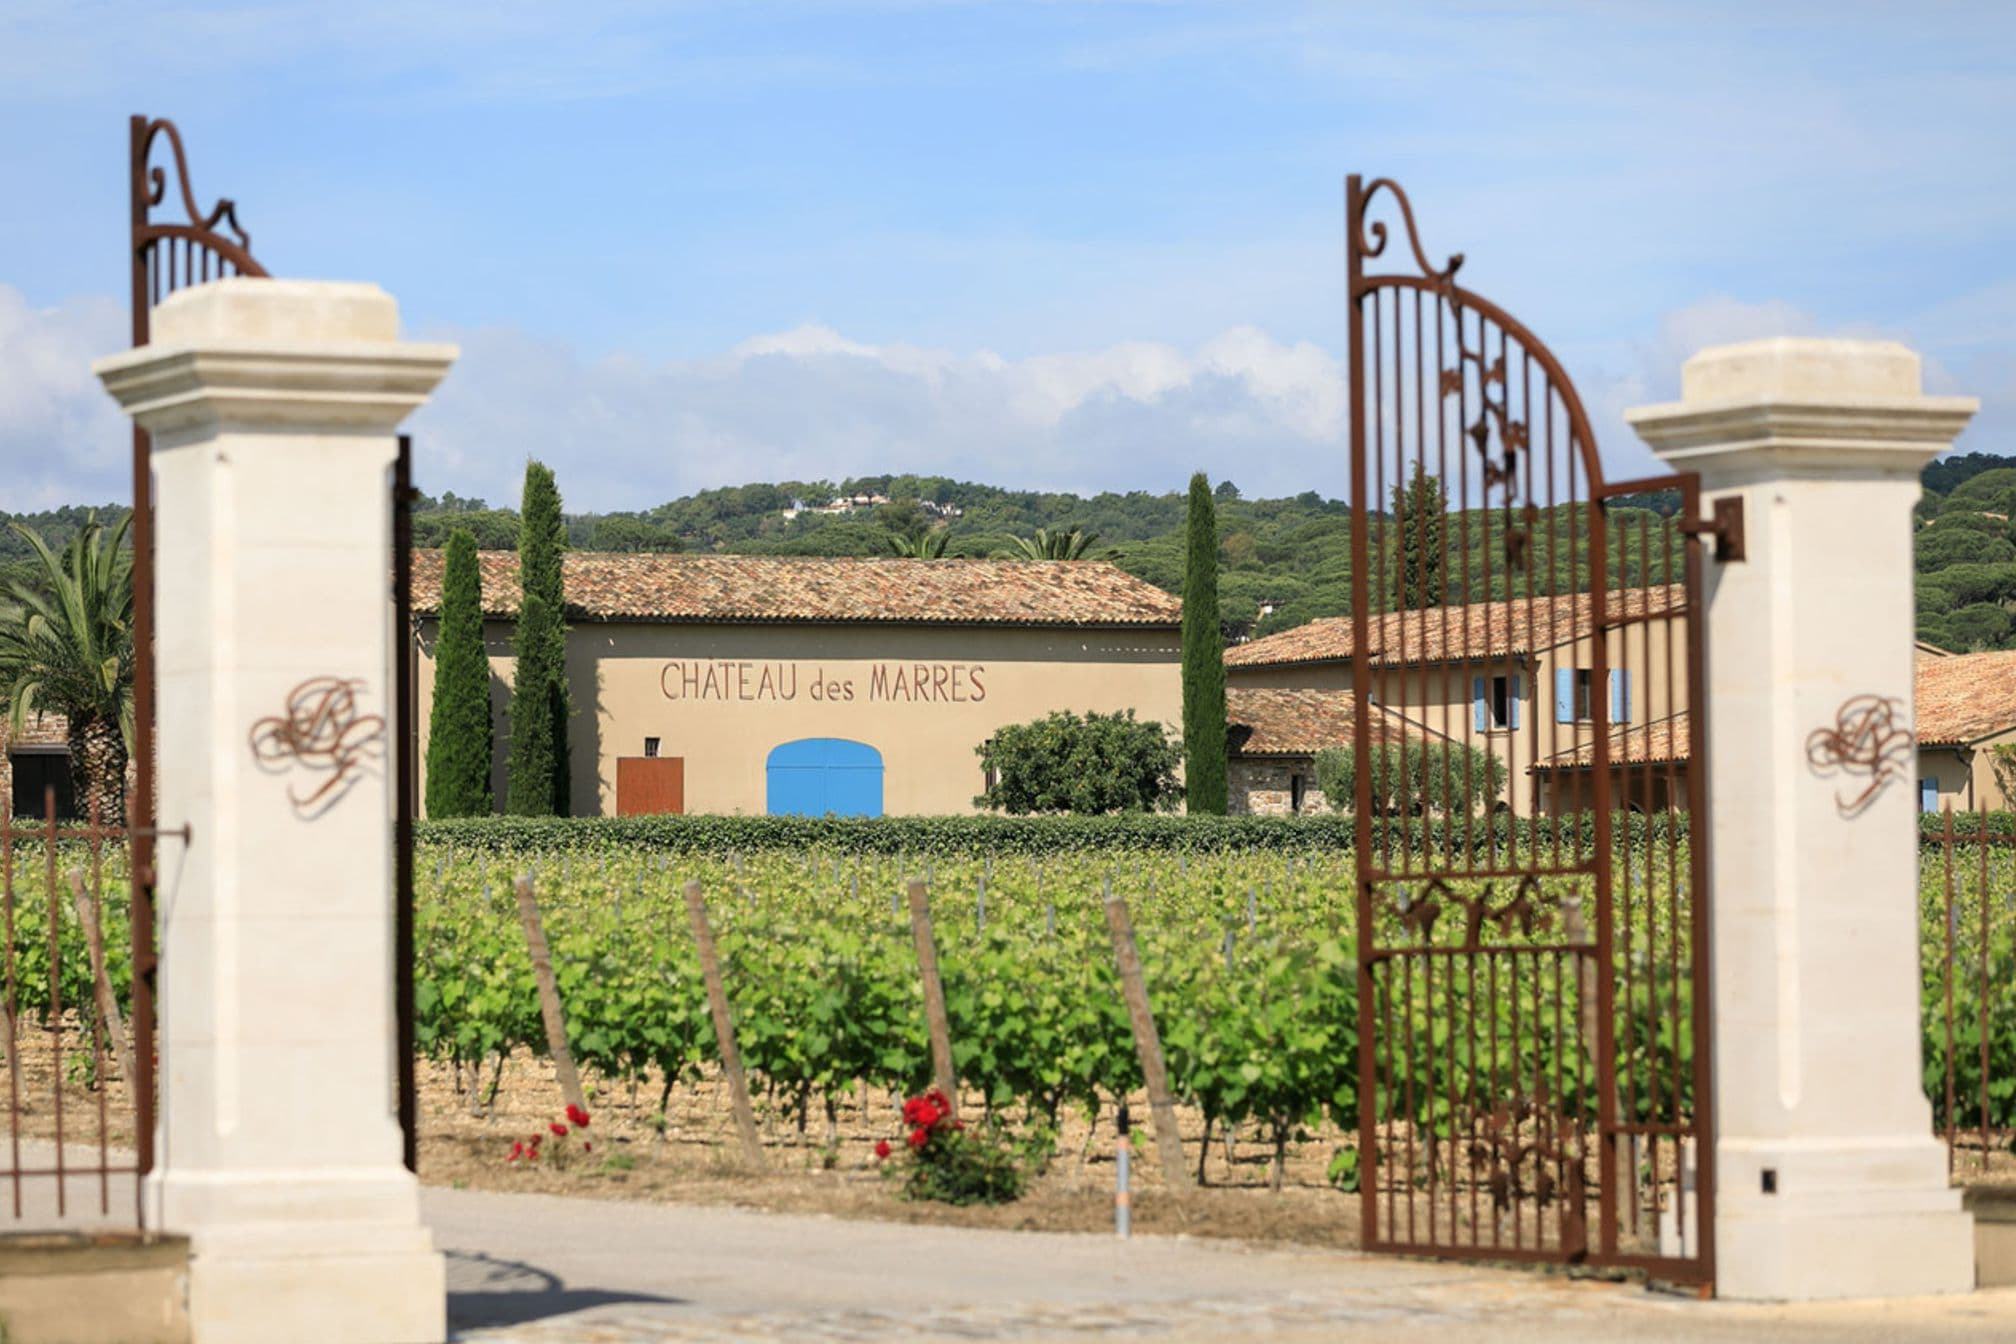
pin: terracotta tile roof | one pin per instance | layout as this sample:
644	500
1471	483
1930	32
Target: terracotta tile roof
41	730
1965	697
1273	721
1442	634
609	586
1660	742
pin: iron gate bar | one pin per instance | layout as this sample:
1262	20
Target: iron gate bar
1508	1114
151	251
405	760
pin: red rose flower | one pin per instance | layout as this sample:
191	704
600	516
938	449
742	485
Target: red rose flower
919	1137
882	1149
936	1105
517	1151
587	1147
914	1112
578	1116
558	1130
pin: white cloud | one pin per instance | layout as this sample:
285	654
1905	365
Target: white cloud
812	403
62	440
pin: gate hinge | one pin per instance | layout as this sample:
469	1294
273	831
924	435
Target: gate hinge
1726	526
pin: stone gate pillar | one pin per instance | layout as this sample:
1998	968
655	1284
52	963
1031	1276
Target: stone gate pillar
1828	1181
272	405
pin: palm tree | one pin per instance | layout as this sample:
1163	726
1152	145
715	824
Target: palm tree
1048	545
927	545
66	647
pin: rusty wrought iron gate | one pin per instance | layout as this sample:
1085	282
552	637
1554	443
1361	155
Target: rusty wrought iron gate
1532	938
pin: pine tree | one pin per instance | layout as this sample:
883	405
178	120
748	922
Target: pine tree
1203	659
458	730
538	776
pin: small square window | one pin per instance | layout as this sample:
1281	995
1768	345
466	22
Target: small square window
650	746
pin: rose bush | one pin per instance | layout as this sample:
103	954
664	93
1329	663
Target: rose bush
951	1163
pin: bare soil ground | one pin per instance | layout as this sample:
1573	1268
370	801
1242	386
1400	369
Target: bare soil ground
694	1157
690	1155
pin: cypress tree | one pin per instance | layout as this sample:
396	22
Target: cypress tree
1203	659
458	729
538	783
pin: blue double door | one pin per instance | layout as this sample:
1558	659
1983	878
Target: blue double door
815	776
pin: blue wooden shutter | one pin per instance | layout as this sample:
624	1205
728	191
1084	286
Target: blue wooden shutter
1564	695
1928	795
1512	707
1480	707
1620	695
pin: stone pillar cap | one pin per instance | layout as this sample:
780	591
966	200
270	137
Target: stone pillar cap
1802	404
247	309
1791	368
249	353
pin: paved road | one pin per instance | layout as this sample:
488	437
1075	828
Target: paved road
537	1269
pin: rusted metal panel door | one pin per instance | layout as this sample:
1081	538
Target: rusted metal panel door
650	785
1533	1071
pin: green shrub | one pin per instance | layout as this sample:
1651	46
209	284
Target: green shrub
1415	779
1063	763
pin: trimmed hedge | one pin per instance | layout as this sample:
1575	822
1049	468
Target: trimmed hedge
1057	834
995	834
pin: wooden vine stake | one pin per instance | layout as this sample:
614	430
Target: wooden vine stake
108	1002
724	1025
1575	929
549	995
1147	1043
942	1072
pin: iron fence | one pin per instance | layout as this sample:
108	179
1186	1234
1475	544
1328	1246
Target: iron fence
1967	950
79	1099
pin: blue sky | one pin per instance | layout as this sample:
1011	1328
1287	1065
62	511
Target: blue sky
1078	245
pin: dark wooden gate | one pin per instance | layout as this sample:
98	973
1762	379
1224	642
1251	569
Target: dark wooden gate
1532	936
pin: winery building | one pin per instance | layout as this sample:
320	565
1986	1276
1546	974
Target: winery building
782	685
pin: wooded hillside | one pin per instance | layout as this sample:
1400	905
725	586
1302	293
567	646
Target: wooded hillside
1292	554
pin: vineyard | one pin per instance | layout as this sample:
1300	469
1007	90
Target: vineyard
1249	963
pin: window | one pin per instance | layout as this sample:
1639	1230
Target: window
1495	703
1295	789
1928	795
650	746
1575	695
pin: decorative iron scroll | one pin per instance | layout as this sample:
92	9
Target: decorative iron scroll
1526	906
1865	739
1528	1150
201	229
320	730
1372	242
1499	468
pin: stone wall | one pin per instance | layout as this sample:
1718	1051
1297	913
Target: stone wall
1265	786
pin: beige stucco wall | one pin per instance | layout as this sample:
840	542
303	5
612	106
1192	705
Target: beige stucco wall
1966	779
1439	697
722	696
